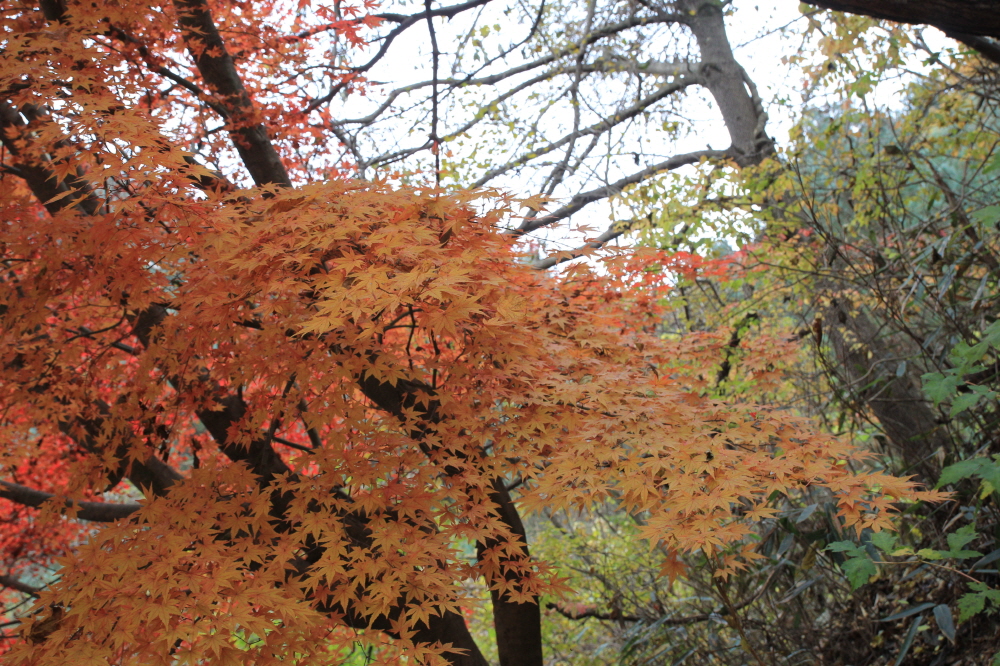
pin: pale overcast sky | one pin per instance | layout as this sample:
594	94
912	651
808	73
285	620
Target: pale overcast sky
762	32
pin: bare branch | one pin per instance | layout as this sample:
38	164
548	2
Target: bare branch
671	621
101	512
614	231
405	21
14	584
435	58
596	128
584	198
445	12
388	158
592	37
652	67
592	613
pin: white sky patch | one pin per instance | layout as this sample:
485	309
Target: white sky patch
762	34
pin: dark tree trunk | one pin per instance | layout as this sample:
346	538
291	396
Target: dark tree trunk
973	17
518	625
451	628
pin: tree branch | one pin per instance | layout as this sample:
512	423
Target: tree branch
987	47
224	418
100	512
674	621
974	17
596	128
388	158
592	613
267	465
435	58
580	200
152	473
15	133
216	66
613	65
591	38
446	12
15	584
405	21
154	66
615	230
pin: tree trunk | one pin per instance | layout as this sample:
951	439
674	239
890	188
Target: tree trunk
973	17
518	625
727	82
451	628
870	368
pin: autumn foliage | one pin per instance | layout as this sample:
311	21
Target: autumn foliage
334	396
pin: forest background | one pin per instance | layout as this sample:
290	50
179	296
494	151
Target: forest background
257	410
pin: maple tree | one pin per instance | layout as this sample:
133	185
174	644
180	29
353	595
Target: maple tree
335	397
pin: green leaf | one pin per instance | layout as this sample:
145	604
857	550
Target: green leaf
991	473
945	622
859	570
884	541
960	537
940	388
907	612
965	354
991	333
929	554
908	641
993	165
974	602
970	604
963	469
845	547
858	567
964	402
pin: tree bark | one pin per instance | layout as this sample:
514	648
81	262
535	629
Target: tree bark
216	66
973	17
987	47
518	625
870	368
727	82
101	512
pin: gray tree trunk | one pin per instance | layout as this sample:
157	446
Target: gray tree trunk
870	366
726	80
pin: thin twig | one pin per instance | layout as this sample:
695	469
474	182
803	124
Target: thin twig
435	55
